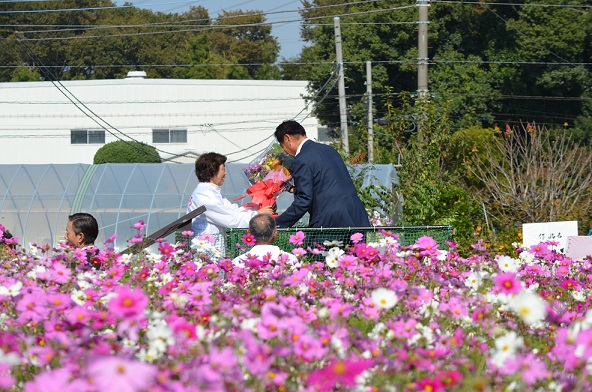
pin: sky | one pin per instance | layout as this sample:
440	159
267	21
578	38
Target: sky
282	13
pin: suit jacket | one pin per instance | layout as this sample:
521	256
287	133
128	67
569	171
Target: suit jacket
324	189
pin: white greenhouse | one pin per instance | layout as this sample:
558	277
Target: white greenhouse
35	200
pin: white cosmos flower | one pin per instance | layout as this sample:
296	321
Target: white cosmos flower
506	347
125	258
331	262
79	297
160	335
332	256
179	300
37	270
529	306
507	264
13	290
526	257
250	324
475	279
579	296
384	298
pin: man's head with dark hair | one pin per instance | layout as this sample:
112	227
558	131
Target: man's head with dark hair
263	228
290	134
289	127
82	229
208	165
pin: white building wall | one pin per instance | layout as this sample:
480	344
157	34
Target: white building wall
236	118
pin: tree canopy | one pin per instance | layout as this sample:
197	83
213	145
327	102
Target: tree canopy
99	41
489	63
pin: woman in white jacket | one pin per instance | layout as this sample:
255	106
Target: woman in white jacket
220	212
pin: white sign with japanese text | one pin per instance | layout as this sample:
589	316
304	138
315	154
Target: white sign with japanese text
534	233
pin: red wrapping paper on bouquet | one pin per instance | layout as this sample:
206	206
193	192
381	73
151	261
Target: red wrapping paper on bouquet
268	175
263	193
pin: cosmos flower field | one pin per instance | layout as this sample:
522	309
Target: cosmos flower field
361	317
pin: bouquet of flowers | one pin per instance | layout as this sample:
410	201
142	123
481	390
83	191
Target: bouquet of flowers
268	175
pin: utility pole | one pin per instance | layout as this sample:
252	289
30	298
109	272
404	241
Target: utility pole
341	87
370	119
422	50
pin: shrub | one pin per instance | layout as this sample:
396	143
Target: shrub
126	152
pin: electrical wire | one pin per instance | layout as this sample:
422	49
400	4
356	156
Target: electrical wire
210	27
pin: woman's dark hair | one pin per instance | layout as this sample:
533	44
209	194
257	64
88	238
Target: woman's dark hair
86	224
289	127
207	165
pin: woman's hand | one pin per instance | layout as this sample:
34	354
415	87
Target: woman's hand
266	210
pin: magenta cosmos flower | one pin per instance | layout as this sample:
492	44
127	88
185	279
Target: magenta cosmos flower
338	371
248	239
507	283
128	303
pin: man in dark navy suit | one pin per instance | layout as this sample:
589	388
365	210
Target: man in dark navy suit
322	184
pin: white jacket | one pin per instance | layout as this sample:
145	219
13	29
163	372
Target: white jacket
220	212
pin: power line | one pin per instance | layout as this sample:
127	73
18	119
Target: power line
66	9
211	27
513	4
280	63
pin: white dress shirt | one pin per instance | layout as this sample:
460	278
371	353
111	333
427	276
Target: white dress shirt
220	212
263	251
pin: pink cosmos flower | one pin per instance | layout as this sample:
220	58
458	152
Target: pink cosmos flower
298	252
187	233
182	327
309	348
208	237
449	378
570	284
427	243
60	273
110	240
166	249
6	380
248	239
429	385
118	374
339	371
136	239
128	303
51	381
298	238
139	226
507	283
356	237
31	307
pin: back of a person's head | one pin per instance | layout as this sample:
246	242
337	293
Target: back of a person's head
289	127
87	224
262	227
207	165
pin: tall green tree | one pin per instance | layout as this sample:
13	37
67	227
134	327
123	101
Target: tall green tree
243	40
490	63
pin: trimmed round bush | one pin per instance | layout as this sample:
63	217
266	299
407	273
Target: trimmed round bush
126	152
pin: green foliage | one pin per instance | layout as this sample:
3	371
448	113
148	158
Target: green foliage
432	194
126	152
236	45
491	64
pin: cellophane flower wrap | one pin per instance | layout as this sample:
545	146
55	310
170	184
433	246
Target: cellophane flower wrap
268	175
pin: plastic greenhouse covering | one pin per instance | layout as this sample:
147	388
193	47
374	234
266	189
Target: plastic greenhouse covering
36	200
